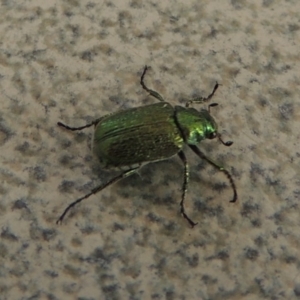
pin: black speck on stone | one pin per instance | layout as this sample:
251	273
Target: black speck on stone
87	56
255	170
294	27
262	101
118	226
249	208
286	111
251	253
219	187
297	290
259	241
19	204
256	223
39	174
66	186
267	3
110	288
5	134
170	295
51	273
154	218
237	4
272	181
207	279
99	254
6	234
170	227
65	159
290	259
223	255
80	137
193	260
48	234
24	148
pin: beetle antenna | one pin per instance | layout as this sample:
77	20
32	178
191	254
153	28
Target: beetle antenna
228	143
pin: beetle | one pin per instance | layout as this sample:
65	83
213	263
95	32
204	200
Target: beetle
136	136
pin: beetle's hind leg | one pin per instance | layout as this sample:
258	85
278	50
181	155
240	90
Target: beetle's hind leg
96	190
76	128
184	187
151	92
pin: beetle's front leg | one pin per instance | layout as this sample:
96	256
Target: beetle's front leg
151	92
203	99
221	169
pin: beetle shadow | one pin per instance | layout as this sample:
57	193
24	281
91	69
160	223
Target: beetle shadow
158	183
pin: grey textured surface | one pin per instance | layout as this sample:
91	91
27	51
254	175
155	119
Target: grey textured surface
74	61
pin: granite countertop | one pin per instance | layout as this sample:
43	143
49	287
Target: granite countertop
75	61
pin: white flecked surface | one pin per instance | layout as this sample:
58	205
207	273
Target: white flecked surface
73	61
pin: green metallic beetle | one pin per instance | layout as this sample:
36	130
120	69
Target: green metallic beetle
133	137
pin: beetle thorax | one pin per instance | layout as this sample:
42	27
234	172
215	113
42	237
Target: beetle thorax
195	125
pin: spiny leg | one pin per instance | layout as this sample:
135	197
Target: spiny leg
204	99
202	155
184	187
96	190
151	92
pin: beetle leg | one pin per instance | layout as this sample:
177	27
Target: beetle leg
202	155
75	128
184	187
151	92
204	99
96	190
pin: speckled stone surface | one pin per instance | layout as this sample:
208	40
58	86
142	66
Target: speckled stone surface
74	61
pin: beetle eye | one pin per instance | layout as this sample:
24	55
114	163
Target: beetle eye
212	135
